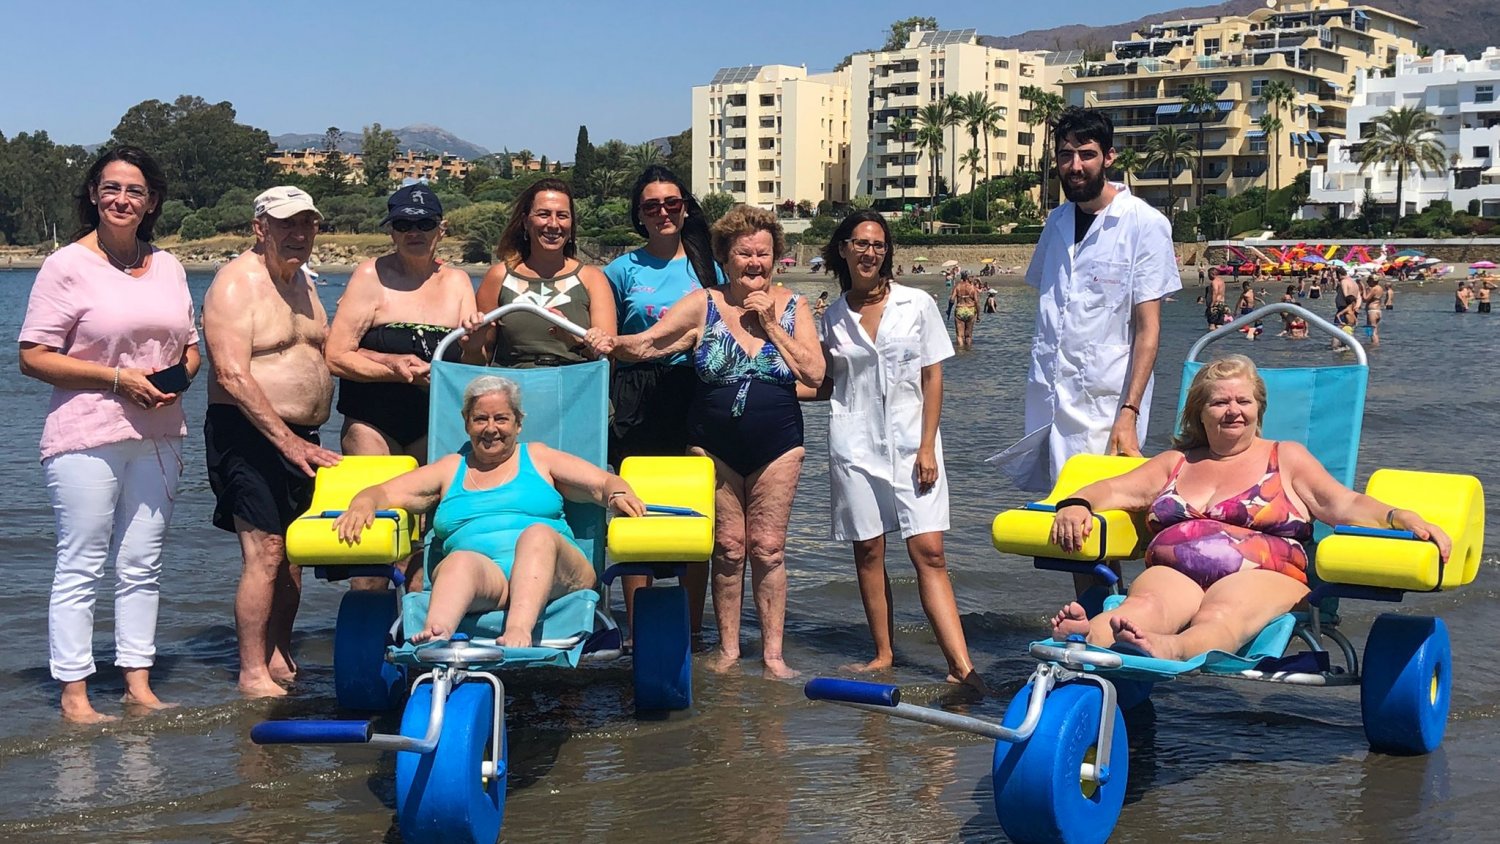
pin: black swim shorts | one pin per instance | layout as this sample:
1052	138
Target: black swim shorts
250	477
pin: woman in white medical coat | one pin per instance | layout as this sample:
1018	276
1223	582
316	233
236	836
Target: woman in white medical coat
884	344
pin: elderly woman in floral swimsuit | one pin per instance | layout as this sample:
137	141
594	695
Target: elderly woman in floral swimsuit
1231	514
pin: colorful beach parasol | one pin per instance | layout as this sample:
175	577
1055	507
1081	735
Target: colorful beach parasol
1482	265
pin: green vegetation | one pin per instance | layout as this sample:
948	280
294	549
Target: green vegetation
1405	139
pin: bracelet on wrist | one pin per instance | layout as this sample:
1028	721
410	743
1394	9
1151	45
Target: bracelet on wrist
115	388
1130	407
1390	518
1075	502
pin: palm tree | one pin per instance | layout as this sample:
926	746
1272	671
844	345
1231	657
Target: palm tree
1046	107
1029	93
932	118
1202	102
644	155
1270	124
1404	139
973	161
523	159
902	127
1276	95
1169	147
955	103
1129	162
979	115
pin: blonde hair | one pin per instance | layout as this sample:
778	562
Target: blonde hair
742	220
1190	426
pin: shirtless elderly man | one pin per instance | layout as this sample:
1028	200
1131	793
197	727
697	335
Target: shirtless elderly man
271	390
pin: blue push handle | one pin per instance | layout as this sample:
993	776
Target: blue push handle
1378	533
668	510
379	514
852	691
312	732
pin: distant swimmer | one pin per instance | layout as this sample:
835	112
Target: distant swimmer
1374	295
1482	289
1462	297
271	390
1216	313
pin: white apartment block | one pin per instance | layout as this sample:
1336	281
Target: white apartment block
1463	95
890	84
768	134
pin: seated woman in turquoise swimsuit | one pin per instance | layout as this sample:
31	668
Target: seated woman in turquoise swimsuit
498	518
1230	514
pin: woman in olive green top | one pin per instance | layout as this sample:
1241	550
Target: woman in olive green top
537	265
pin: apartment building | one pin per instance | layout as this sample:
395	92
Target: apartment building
1318	48
885	163
769	134
1461	94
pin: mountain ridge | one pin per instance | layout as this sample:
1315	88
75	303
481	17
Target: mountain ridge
420	137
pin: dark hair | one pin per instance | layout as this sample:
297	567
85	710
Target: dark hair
696	243
843	232
88	212
514	246
1084	124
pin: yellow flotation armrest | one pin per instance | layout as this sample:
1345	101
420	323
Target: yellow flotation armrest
311	539
677	482
1374	557
1025	530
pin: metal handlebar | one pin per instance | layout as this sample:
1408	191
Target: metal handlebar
514	307
1313	321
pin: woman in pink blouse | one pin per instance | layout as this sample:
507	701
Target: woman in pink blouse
110	327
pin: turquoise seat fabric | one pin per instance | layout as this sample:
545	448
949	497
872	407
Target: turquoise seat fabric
1269	644
562	630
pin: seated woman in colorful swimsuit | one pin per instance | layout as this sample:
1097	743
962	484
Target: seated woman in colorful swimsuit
1231	515
395	311
538	265
744	415
498	517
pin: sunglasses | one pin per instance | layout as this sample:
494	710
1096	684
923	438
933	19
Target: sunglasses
405	226
671	205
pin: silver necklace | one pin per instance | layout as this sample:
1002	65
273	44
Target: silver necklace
130	266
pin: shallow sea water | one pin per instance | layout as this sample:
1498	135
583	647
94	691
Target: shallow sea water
752	760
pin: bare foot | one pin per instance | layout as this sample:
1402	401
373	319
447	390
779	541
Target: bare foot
85	714
879	663
261	687
434	632
283	669
722	661
1151	644
145	700
970	679
777	669
1070	620
514	640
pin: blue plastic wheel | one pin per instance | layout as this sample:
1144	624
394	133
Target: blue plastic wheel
663	661
443	796
1039	795
362	679
1404	690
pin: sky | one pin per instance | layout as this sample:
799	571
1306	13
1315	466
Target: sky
498	74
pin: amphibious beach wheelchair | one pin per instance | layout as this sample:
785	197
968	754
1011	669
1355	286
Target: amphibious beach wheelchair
1061	757
451	762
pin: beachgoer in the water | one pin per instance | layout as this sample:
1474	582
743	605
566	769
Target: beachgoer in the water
965	310
1482	292
497	516
109	325
1218	568
1462	297
395	311
1374	296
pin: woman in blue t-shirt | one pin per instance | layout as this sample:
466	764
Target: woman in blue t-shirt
651	399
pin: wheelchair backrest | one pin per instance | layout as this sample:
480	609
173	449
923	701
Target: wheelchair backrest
565	407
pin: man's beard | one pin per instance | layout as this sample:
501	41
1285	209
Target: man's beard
1086	192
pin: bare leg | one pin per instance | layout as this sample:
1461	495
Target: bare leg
628	585
1233	610
875	594
728	561
695	580
76	706
936	591
1161	599
260	608
463	582
547	567
768	494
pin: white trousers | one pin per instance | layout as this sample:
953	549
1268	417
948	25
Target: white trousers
110	502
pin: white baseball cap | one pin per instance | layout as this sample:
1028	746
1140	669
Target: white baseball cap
284	201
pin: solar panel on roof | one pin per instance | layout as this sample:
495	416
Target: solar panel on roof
735	75
944	37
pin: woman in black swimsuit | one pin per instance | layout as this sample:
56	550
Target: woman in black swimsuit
393	314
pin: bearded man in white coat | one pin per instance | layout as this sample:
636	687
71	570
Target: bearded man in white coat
1102	266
